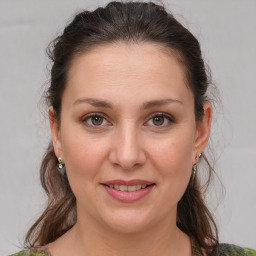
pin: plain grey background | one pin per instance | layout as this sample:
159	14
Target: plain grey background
227	32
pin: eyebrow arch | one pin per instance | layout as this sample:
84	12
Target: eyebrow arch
94	102
106	104
156	103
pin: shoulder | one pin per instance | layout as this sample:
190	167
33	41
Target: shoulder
234	250
30	253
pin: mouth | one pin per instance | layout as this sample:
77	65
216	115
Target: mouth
126	188
128	191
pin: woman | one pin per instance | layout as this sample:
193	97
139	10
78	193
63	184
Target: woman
130	119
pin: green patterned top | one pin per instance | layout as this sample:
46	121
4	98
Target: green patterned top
225	250
30	253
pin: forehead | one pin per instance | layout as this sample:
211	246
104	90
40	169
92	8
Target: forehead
143	68
129	58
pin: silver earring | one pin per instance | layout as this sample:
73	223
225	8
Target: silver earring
61	166
194	170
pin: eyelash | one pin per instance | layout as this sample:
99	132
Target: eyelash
169	118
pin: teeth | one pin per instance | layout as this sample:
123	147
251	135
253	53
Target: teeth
123	188
128	188
131	188
138	187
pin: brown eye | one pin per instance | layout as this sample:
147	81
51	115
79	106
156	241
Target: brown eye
97	120
158	120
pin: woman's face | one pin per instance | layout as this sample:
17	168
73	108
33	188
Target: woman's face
127	121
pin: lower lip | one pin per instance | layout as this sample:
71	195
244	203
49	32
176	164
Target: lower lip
125	196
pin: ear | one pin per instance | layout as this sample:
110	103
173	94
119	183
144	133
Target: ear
203	129
55	130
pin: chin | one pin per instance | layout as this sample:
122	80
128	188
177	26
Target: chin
126	221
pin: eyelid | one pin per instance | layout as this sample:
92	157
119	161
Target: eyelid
163	114
84	118
155	114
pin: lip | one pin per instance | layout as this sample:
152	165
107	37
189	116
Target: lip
127	182
126	196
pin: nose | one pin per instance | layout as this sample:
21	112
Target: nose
127	149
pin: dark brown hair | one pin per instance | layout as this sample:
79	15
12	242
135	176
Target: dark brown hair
130	22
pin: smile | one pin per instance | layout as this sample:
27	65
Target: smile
128	188
128	191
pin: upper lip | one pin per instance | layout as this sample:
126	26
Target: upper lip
128	182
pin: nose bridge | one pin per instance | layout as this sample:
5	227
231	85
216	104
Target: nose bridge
127	149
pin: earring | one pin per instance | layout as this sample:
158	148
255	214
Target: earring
194	169
61	166
197	157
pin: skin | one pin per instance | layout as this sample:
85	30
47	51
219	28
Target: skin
127	144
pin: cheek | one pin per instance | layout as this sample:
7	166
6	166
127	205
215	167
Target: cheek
172	159
83	157
173	155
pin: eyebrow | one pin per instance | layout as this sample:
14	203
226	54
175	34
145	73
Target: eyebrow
146	105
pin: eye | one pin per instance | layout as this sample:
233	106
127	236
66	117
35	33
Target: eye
95	119
160	119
